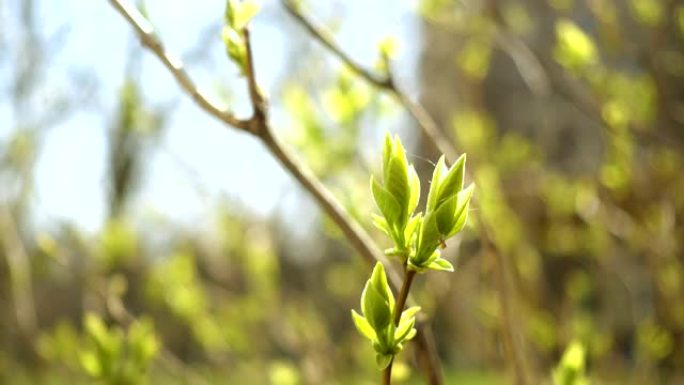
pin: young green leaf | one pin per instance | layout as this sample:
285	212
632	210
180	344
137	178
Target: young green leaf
379	281
397	183
387	204
381	224
375	307
441	264
406	323
461	212
414	183
387	151
453	180
244	13
445	215
363	326
440	168
411	227
428	240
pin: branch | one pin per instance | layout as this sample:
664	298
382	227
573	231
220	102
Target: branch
326	38
398	309
383	82
19	264
259	126
150	40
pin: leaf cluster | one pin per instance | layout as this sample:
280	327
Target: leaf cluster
417	237
113	356
376	323
237	15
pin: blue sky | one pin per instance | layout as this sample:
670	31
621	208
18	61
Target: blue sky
198	159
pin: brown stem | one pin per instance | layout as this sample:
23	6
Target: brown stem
403	294
149	39
387	374
398	309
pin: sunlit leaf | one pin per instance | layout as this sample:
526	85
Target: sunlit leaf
363	326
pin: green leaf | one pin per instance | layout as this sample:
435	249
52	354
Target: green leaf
406	323
229	15
453	181
435	184
235	48
386	203
461	212
414	183
383	360
379	281
574	49
244	13
387	151
377	300
363	326
90	363
375	308
421	264
412	333
411	227
433	257
403	330
381	224
397	184
445	215
408	313
428	239
441	264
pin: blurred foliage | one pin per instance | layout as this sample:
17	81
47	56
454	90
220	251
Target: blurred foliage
579	216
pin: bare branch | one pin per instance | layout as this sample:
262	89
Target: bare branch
259	126
149	39
386	82
19	264
326	38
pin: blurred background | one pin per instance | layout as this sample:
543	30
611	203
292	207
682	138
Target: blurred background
143	242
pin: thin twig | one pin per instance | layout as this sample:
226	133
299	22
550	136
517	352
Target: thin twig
150	40
258	101
259	126
19	270
325	38
398	309
387	374
384	82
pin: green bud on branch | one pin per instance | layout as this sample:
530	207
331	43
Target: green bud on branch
376	324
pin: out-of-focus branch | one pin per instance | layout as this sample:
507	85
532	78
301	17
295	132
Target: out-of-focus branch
541	75
326	38
512	348
19	270
384	82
